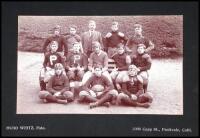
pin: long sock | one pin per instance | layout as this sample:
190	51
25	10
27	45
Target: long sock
143	99
114	83
90	99
104	99
146	105
62	97
114	100
81	99
107	104
42	85
145	85
51	98
70	99
128	101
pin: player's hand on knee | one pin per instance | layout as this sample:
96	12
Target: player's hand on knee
57	94
133	97
118	86
92	93
128	59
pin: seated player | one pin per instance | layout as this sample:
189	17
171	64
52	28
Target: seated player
57	88
50	60
76	63
122	61
142	61
131	92
113	38
98	57
98	87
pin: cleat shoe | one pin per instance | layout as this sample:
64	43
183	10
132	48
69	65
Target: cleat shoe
107	104
146	105
93	105
45	101
62	101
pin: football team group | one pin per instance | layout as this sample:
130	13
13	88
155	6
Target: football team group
79	67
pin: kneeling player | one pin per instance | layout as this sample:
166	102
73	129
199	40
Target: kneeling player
132	92
57	88
98	89
48	65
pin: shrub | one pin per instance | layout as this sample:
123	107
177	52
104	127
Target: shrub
166	32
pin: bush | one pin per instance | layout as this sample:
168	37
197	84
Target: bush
166	32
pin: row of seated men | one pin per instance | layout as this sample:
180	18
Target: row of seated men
125	84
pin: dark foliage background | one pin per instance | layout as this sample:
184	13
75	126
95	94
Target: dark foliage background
165	31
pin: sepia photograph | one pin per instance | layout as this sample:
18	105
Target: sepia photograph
95	68
100	64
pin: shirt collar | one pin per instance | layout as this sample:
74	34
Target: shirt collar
91	31
138	36
114	32
99	53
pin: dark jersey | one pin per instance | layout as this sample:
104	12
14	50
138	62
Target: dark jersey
142	61
58	83
51	59
120	61
61	44
135	40
115	39
133	86
94	80
77	59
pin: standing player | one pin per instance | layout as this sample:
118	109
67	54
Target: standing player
62	46
57	88
72	38
138	38
113	38
50	60
131	92
89	37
